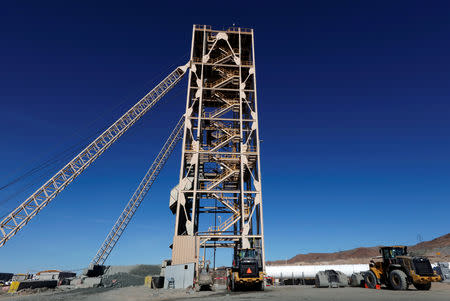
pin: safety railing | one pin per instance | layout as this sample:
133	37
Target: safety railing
221	81
199	26
221	110
219	179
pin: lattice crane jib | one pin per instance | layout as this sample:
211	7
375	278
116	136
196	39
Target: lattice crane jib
21	215
140	193
217	202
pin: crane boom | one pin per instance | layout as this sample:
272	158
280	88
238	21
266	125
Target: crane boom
139	194
20	216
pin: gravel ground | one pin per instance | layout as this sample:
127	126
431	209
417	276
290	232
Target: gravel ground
439	291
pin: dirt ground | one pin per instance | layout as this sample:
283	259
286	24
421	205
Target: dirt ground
439	291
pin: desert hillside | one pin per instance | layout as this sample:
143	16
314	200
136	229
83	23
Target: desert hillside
437	249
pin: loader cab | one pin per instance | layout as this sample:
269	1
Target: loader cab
247	253
389	253
393	258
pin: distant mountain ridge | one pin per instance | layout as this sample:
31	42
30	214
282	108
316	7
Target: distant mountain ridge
437	249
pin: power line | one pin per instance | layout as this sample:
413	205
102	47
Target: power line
106	115
54	164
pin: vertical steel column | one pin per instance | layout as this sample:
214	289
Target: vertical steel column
218	198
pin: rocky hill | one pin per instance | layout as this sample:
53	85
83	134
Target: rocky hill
437	249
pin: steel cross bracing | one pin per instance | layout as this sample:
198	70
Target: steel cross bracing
218	200
139	194
20	216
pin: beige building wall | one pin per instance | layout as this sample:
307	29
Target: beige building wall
185	249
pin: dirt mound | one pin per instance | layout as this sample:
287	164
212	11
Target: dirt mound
146	270
123	280
438	248
122	276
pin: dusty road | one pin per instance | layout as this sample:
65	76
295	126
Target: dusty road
440	291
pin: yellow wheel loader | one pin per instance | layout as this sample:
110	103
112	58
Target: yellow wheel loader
247	271
397	270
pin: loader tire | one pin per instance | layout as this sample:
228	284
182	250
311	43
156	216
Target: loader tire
322	279
398	280
343	279
357	280
422	286
370	279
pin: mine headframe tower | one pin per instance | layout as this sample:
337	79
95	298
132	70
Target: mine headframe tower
217	201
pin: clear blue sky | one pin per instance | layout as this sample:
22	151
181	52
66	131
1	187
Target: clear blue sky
354	117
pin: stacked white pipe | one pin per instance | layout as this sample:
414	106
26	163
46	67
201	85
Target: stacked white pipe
310	271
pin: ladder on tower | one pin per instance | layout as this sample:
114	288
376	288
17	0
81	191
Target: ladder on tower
139	195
